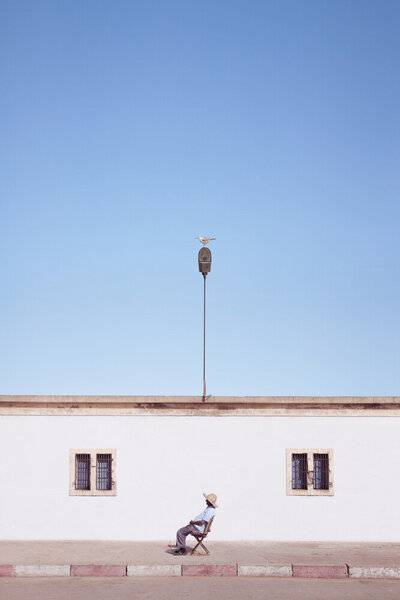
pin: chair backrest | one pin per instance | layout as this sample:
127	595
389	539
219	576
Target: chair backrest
208	526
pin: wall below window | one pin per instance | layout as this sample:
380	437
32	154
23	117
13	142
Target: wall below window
164	464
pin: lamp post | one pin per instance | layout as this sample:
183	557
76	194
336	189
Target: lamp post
204	268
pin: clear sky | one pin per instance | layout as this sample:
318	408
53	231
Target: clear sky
130	127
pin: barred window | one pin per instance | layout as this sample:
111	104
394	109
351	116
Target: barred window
92	473
309	472
321	472
82	471
103	472
299	471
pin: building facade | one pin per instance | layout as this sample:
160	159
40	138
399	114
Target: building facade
135	468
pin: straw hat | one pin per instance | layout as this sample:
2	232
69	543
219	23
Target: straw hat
211	498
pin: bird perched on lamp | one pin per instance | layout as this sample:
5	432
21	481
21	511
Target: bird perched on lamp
204	240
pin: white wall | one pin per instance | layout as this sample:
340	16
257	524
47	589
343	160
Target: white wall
165	463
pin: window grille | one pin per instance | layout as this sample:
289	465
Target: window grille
103	472
92	472
309	472
82	471
299	471
321	472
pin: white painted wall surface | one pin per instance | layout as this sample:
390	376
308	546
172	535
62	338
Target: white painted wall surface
165	463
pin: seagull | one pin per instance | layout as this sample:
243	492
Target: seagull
204	240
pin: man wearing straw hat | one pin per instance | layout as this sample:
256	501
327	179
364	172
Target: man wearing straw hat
198	524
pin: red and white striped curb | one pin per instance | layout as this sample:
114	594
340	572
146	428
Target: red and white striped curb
181	570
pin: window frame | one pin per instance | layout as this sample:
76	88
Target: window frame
93	491
310	491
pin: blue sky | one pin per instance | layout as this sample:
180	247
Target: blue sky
129	128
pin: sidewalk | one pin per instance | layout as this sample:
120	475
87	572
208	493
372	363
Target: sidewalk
119	558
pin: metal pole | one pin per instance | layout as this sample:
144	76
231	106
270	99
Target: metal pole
204	341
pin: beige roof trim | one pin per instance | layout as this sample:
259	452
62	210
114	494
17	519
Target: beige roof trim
194	405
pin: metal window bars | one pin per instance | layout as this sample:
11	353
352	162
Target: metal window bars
103	471
321	472
299	471
82	471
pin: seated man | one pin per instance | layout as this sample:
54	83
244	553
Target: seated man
198	524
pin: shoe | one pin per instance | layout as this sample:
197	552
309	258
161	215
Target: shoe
180	551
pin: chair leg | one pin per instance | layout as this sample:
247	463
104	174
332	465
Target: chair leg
200	543
204	548
194	549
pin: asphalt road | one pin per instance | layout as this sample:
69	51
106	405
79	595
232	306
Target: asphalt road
195	588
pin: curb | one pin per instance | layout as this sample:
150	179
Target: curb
342	571
265	571
374	572
210	570
321	571
98	570
42	570
154	570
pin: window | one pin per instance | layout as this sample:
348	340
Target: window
92	473
103	471
321	472
82	471
309	472
299	471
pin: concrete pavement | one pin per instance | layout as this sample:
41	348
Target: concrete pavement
250	559
199	588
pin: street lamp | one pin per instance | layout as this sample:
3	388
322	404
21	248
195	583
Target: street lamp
204	258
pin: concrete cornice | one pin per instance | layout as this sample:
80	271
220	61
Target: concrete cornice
194	405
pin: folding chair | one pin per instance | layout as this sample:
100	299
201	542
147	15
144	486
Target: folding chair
200	535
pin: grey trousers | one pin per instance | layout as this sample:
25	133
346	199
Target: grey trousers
182	533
